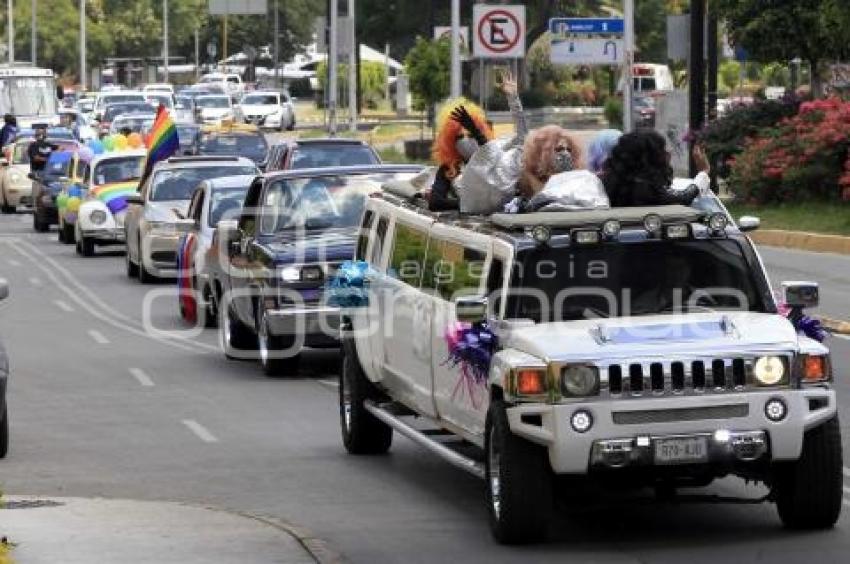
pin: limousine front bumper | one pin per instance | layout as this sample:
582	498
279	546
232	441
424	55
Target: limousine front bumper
313	326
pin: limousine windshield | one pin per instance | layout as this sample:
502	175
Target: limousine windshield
563	284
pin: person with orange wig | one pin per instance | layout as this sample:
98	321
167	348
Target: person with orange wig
461	129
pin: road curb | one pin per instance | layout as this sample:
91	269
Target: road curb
836	326
802	240
318	548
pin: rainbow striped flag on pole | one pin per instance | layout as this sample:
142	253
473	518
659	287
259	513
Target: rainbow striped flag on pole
162	141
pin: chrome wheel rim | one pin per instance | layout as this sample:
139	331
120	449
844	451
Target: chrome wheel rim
494	480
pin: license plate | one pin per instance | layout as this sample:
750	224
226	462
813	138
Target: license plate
682	450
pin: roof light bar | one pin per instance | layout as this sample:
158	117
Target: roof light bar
652	223
611	229
678	231
586	237
717	222
541	234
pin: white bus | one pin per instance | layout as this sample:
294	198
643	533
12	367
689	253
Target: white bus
29	94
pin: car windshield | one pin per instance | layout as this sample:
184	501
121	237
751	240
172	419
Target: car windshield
322	155
251	146
120	98
28	96
137	124
320	202
58	164
178	183
212	102
562	284
260	99
226	203
114	110
119	169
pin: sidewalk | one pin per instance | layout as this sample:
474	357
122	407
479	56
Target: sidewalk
103	531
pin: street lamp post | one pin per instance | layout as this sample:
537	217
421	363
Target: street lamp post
455	76
352	69
165	39
333	45
276	44
83	44
11	31
34	30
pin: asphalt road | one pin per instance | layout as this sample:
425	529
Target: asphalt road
100	407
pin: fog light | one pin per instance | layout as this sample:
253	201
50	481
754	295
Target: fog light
586	237
611	228
775	410
652	223
541	234
311	273
581	421
678	231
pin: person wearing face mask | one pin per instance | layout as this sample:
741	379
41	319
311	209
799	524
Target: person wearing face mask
462	129
39	150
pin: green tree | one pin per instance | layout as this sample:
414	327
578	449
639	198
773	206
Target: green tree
730	73
428	65
778	31
373	77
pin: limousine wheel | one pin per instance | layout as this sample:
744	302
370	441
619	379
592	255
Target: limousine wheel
271	348
4	433
809	490
519	482
362	433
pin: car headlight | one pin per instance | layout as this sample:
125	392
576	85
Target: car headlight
16	177
302	274
770	371
98	217
579	380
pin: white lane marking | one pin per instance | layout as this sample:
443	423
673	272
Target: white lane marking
200	431
98	337
143	378
35	281
329	383
63	306
13	262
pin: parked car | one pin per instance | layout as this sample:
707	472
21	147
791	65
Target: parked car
155	220
319	153
212	109
212	200
47	186
234	140
4	380
268	109
624	345
295	228
110	180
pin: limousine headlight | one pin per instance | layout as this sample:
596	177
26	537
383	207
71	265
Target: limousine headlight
311	273
769	370
579	380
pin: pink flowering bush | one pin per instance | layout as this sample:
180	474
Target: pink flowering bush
803	157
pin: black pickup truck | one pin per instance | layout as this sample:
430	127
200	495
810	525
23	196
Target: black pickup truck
269	266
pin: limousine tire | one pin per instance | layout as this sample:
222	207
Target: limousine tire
269	348
808	491
235	338
362	432
519	482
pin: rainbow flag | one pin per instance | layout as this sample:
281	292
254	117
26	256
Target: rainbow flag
162	141
114	194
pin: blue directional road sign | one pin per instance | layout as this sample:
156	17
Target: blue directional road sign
587	25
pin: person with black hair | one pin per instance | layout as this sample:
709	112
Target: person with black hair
9	130
638	173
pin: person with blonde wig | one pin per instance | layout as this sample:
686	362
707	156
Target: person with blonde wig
547	151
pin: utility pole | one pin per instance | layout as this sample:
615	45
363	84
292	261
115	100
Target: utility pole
165	39
83	44
34	31
11	31
352	70
696	71
628	59
455	77
197	55
712	65
333	47
277	44
224	44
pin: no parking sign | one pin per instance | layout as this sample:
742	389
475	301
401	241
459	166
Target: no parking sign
498	32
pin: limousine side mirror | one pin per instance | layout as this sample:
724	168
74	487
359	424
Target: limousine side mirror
748	223
471	309
801	295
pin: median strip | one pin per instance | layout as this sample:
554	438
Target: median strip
802	240
835	325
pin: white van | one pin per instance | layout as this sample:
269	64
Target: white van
649	77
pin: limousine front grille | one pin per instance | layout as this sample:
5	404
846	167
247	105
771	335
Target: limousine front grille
693	376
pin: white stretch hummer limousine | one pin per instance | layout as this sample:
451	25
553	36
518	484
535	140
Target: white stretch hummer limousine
639	345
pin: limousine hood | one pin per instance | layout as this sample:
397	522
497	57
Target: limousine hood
658	335
299	246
